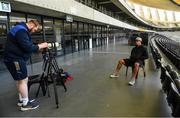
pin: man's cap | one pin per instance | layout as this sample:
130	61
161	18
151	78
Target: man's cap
138	39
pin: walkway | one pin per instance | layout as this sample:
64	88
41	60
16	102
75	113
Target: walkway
92	93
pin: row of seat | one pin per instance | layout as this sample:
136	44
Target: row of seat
171	86
155	54
170	80
169	44
168	51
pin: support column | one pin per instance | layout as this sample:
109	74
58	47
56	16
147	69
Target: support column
107	40
114	39
90	43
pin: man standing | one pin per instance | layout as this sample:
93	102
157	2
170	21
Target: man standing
18	49
138	55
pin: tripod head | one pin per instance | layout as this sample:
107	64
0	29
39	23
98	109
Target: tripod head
51	50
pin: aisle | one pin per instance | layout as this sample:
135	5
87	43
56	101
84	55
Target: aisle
92	93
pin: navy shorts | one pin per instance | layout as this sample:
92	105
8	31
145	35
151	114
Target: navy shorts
129	62
18	69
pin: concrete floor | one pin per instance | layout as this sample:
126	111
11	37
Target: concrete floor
92	93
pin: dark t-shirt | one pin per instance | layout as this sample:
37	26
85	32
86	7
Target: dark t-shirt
139	53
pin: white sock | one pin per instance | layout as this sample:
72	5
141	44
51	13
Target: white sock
20	97
133	79
25	101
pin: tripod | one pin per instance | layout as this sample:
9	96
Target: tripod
51	74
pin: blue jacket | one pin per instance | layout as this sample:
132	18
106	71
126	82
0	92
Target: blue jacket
19	44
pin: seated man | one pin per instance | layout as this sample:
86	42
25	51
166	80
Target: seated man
138	55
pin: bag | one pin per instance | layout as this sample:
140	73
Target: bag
65	76
68	77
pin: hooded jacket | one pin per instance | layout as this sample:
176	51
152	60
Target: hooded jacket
19	45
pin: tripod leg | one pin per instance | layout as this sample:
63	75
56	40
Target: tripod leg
42	86
55	91
49	75
56	67
37	93
47	88
62	82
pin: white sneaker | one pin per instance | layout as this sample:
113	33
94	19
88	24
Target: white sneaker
114	76
20	103
29	106
132	82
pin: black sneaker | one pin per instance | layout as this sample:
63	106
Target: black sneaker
29	106
20	103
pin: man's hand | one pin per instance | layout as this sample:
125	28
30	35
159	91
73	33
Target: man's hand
43	45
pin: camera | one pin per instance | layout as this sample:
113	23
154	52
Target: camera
53	45
51	50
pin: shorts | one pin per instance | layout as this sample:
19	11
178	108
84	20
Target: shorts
129	62
17	69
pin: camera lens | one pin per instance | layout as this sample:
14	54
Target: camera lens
52	45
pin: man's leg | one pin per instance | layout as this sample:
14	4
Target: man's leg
23	90
118	67
135	71
18	70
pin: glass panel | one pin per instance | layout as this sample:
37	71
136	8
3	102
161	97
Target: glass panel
90	30
16	18
103	35
98	39
58	24
3	32
94	36
90	35
111	35
86	36
48	29
3	17
75	36
67	37
3	37
81	36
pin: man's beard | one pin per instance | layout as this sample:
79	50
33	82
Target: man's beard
31	30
